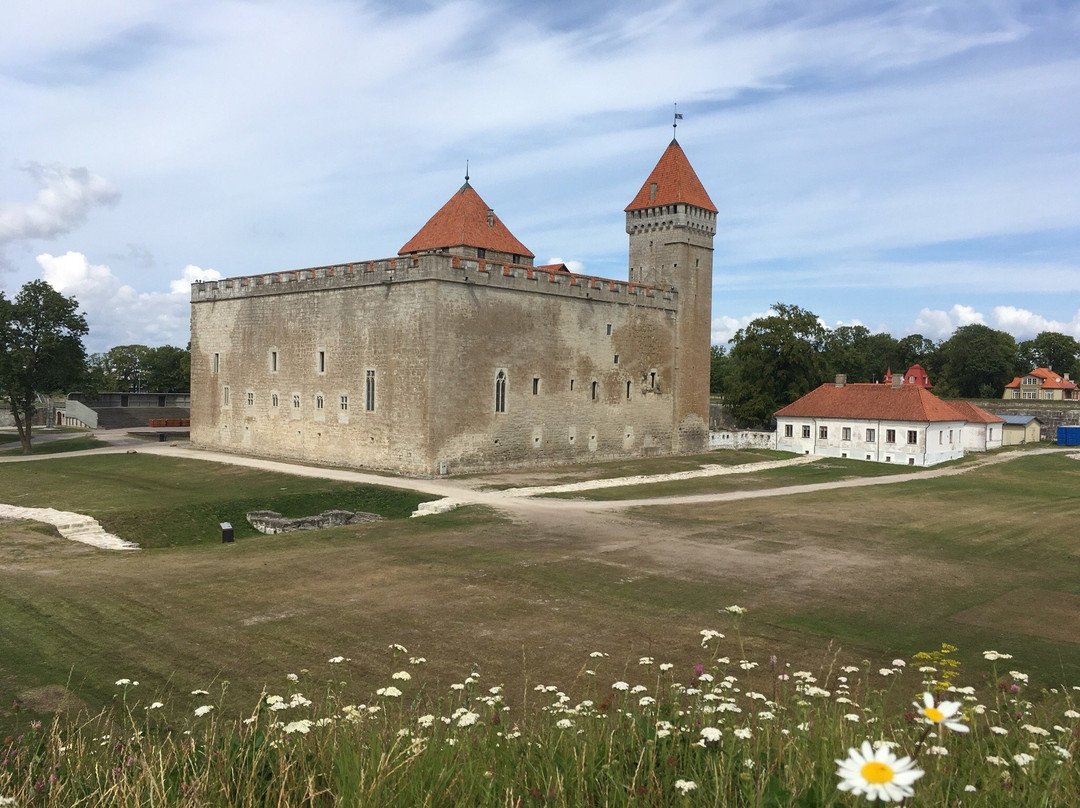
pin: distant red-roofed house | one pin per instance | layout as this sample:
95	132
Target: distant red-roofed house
903	424
1043	384
916	374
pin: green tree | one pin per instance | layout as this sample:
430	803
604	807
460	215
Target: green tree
911	350
775	360
858	354
41	349
1050	349
719	364
978	359
168	370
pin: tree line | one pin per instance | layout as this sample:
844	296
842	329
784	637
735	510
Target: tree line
784	355
42	353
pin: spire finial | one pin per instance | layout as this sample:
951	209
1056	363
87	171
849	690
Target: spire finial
675	121
466	171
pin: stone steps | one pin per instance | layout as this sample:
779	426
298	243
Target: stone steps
74	526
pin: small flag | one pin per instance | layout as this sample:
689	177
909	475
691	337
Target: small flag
678	116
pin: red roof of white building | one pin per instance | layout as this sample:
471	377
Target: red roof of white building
872	401
975	415
672	181
465	221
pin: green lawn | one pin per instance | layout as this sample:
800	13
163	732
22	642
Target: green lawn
983	560
76	444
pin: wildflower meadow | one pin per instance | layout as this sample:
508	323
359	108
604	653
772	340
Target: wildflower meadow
719	729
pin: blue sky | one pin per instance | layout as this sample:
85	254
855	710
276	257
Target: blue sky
907	166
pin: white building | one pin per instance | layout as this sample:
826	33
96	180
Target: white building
902	424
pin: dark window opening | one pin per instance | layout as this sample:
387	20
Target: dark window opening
500	392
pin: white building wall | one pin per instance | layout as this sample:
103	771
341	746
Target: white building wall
982	437
876	440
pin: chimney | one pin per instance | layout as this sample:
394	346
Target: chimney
491	217
897	381
652	191
841	379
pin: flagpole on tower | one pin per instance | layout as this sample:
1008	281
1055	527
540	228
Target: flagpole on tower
675	121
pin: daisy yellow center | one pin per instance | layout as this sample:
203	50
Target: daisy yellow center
876	772
934	714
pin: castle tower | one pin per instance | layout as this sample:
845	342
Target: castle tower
671	223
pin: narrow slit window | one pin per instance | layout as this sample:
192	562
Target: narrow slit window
369	391
322	361
628	389
536	386
273	361
594	388
217	362
500	392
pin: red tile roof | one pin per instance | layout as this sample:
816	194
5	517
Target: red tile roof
905	403
975	415
1051	380
675	182
465	221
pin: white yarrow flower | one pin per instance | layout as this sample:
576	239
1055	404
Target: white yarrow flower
685	786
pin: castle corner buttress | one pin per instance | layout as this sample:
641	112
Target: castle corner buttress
460	354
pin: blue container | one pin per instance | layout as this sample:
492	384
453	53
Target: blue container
1068	435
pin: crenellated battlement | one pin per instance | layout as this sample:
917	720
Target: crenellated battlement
436	267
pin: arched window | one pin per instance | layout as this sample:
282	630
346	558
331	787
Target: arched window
500	392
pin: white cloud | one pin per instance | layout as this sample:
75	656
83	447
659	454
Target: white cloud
1024	324
67	196
577	267
937	324
725	326
118	314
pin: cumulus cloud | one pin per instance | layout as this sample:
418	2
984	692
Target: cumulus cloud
118	314
577	267
66	197
725	326
1021	323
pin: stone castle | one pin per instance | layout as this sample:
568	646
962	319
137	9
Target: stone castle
460	354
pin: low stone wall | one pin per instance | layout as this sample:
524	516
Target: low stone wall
273	522
1051	414
741	439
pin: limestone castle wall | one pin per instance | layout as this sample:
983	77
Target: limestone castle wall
433	332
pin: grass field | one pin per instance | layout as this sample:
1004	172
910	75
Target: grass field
76	444
983	560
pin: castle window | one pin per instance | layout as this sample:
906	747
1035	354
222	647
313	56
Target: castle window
273	361
225	395
318	402
344	403
322	361
500	392
594	387
274	400
481	252
296	401
616	359
250	399
652	379
608	330
571	385
369	391
536	386
628	389
217	362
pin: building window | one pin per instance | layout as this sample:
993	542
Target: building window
806	432
1029	394
369	391
911	461
1016	393
845	433
571	385
273	361
950	437
609	329
616	359
274	400
251	399
217	362
594	387
481	252
225	395
1048	394
296	401
912	437
628	389
941	437
890	436
318	402
500	392
870	435
536	386
322	361
822	432
789	431
344	403
652	379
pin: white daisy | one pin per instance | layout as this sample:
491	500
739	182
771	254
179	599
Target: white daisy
946	713
877	775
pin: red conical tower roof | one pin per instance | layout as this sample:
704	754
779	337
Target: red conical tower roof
465	221
672	181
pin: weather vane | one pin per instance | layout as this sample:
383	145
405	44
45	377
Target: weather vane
675	123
